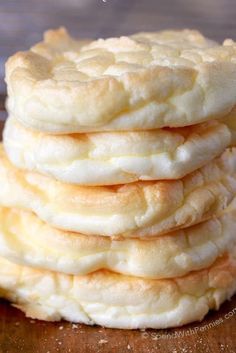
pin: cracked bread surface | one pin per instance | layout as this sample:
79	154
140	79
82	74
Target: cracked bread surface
144	81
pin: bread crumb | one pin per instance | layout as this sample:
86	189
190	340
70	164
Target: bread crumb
102	341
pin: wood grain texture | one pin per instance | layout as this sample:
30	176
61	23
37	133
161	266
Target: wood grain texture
215	334
23	22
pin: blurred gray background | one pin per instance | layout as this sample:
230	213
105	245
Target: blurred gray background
22	22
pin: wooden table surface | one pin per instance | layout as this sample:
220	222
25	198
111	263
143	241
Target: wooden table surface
216	334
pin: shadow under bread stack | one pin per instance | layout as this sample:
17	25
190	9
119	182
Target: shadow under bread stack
118	179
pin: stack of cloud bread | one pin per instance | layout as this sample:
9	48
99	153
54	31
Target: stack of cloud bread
118	178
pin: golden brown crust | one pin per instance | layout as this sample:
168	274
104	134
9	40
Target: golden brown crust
26	240
141	209
118	301
145	81
115	157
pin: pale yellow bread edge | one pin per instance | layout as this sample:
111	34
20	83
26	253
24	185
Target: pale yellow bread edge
28	241
115	157
117	301
142	209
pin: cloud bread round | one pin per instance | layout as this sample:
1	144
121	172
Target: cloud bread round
145	81
26	240
118	301
141	209
116	157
